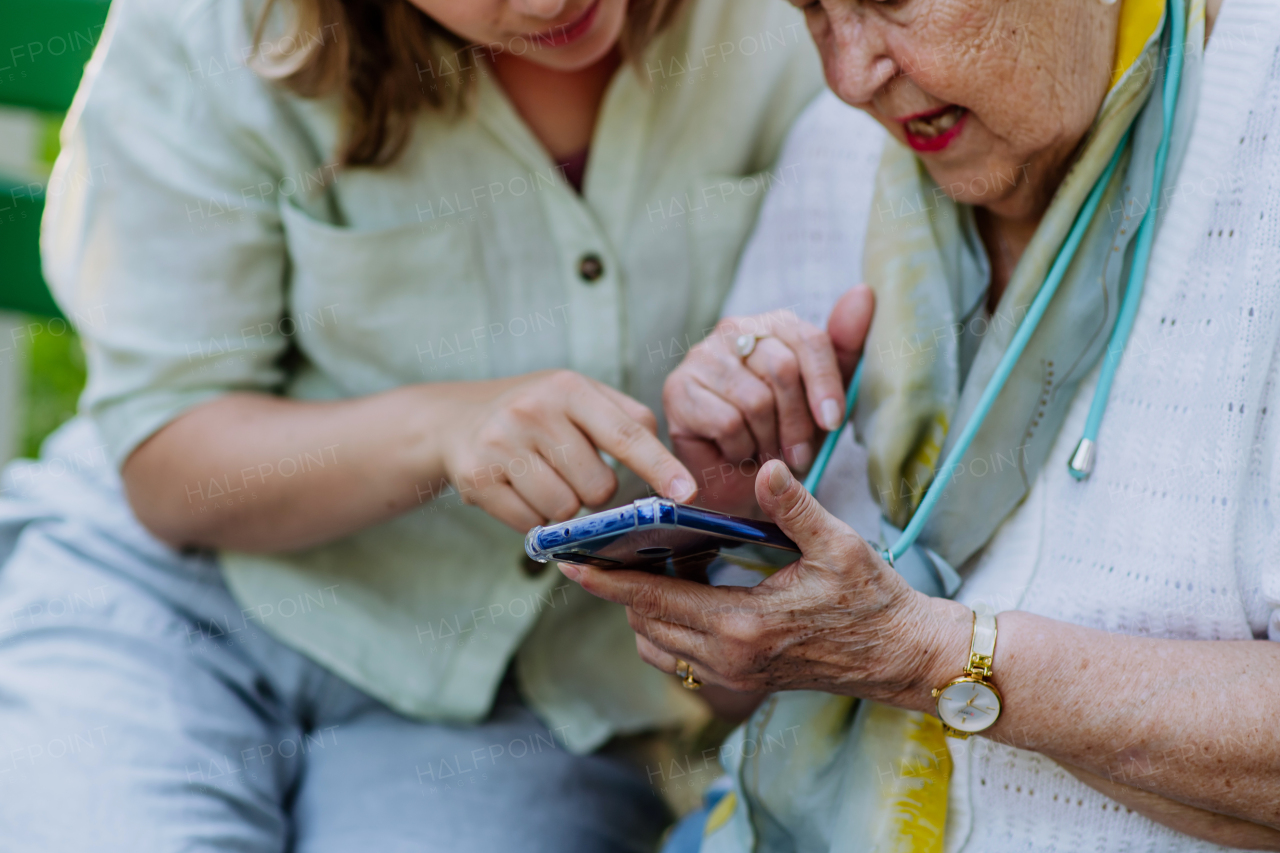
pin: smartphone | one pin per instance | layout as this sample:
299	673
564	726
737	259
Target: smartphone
661	536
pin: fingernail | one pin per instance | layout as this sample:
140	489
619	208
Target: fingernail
570	571
779	479
831	414
681	489
801	456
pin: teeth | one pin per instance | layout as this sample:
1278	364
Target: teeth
916	127
947	120
941	123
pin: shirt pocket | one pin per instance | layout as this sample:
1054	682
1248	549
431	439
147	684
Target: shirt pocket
375	309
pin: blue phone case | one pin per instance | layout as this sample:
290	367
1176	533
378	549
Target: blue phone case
659	535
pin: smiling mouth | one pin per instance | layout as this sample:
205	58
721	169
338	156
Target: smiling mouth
933	131
564	34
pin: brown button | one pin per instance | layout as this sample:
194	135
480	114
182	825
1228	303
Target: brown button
590	268
532	567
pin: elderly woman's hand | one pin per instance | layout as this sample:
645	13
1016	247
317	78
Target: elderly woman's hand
838	620
729	414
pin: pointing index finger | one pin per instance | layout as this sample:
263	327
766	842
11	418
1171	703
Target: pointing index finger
630	442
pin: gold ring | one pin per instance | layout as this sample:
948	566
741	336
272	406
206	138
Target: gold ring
744	345
685	672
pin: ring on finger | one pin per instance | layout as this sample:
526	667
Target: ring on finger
684	671
745	345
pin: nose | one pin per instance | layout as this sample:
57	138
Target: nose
856	54
549	9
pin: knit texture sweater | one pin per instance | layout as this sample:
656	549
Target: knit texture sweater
1175	534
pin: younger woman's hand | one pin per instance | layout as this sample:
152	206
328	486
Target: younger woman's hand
530	453
729	415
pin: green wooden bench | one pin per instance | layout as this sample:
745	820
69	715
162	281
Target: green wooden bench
44	45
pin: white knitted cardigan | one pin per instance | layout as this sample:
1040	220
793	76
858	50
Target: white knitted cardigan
1175	534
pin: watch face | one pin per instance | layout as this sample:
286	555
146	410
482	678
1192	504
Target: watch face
969	706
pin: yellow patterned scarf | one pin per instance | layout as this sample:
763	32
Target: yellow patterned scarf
932	349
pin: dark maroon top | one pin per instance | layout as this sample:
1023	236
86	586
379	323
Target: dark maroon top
575	169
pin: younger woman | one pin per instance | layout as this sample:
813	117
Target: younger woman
382	281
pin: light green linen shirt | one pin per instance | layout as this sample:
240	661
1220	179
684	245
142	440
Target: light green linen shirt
201	213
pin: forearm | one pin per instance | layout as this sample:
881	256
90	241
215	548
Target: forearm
259	473
1199	823
1192	721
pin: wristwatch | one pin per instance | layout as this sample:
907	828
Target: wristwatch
970	703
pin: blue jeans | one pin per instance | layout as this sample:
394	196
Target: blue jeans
141	710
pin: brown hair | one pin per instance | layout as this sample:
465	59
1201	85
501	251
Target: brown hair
375	53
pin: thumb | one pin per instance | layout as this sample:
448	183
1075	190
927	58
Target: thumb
788	503
848	324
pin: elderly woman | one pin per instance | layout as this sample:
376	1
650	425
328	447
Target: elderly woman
1125	695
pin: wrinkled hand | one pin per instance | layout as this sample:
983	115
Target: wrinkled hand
527	451
728	415
839	620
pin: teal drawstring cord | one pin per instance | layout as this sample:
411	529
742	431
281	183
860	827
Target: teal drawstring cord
1081	463
833	438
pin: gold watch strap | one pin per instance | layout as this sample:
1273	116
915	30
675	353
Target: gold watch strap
982	648
982	651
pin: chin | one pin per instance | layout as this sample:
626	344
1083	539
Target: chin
967	168
591	47
977	180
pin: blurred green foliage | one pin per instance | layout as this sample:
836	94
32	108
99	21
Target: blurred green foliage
54	360
55	378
